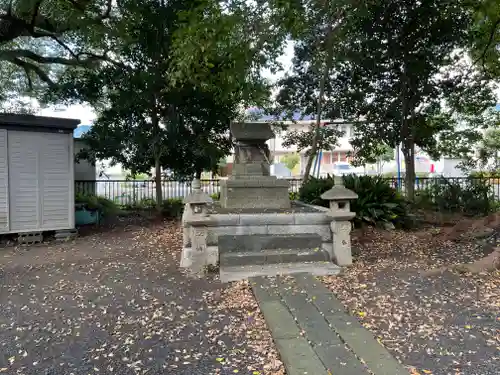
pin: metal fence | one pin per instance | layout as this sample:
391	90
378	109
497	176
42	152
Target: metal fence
428	183
134	191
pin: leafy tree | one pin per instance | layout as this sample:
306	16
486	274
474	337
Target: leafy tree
249	36
291	160
486	148
144	122
485	33
378	153
318	34
40	38
402	75
149	115
327	137
490	146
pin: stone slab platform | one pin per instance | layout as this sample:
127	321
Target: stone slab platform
313	332
259	242
295	207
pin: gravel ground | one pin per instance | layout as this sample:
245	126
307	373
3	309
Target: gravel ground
434	323
116	303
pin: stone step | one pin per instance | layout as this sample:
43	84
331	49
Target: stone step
236	273
259	242
273	256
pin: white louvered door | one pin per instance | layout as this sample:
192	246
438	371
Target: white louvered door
24	192
39	181
4	183
55	179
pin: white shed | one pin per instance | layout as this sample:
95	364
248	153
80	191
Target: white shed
36	173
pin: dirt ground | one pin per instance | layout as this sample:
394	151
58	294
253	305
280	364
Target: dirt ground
435	323
116	302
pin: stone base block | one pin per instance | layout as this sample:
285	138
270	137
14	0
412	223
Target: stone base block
264	192
342	255
66	234
30	238
188	258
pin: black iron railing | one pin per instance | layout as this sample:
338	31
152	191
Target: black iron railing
131	191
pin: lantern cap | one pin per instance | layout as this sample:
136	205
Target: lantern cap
198	197
339	193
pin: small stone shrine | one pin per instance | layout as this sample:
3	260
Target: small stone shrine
254	230
250	184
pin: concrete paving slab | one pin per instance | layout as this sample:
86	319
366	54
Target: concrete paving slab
235	273
299	357
300	304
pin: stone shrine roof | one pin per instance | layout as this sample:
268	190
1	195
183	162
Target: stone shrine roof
248	131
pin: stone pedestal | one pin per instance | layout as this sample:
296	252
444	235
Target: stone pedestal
250	184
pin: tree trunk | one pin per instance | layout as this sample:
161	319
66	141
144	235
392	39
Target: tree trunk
155	122
409	156
159	192
319	106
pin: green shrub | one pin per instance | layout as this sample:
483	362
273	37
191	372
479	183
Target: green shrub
377	202
311	191
95	202
215	196
147	203
293	195
473	196
173	208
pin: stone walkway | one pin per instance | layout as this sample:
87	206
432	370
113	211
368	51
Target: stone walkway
313	332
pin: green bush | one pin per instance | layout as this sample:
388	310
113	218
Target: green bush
311	191
377	202
293	195
215	196
95	202
473	196
173	208
147	203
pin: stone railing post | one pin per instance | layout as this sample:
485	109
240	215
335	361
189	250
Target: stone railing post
186	214
340	213
195	221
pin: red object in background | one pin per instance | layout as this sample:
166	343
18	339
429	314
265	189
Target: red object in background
432	168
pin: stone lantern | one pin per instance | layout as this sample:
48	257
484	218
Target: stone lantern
197	204
195	220
340	213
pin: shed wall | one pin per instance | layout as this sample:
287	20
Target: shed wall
4	183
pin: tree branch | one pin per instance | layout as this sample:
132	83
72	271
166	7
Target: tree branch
490	41
8	55
28	67
12	26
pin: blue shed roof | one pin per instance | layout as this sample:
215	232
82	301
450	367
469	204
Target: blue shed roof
80	130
